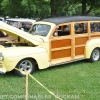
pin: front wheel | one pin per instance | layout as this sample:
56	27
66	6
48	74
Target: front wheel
95	56
25	65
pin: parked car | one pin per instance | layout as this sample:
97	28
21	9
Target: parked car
52	41
21	23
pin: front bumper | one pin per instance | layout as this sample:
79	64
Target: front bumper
2	71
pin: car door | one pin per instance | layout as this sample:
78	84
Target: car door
81	37
61	44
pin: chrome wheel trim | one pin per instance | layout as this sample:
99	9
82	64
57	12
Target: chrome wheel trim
96	54
25	66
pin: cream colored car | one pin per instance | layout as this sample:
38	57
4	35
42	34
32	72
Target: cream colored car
51	42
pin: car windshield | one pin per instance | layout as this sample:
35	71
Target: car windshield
40	29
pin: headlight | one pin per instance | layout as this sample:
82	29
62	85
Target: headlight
1	56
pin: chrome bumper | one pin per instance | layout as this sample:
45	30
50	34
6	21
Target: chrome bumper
2	71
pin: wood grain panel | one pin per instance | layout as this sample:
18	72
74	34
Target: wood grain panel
61	53
60	43
79	50
81	40
95	36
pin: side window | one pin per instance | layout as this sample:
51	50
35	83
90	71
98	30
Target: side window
80	28
63	30
25	26
95	26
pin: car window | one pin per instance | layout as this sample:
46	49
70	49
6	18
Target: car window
40	29
12	23
25	25
63	30
95	27
80	28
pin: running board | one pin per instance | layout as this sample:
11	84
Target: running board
66	62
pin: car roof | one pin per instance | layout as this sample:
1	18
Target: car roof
21	20
64	19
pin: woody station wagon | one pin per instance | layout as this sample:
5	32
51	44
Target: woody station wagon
52	41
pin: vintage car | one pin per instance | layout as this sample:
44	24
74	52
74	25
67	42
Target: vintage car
52	41
21	23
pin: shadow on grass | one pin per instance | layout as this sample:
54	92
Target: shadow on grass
8	74
62	66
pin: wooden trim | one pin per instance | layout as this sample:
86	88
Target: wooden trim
80	45
89	30
65	60
81	35
62	48
60	60
73	41
95	33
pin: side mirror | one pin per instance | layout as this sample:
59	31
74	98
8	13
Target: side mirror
22	29
55	34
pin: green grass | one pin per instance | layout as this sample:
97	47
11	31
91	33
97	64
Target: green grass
75	81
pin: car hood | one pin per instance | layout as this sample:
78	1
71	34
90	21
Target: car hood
13	30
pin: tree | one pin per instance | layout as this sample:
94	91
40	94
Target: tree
42	8
57	6
1	11
48	8
29	8
87	5
12	7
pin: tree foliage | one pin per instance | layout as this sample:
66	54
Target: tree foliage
12	7
87	6
48	8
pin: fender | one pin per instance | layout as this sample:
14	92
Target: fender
90	46
13	55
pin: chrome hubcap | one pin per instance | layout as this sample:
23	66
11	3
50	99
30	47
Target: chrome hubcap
25	65
96	55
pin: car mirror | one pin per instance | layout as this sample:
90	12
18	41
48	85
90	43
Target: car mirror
22	29
55	34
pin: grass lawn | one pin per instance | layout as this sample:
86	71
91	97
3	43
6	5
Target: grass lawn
75	81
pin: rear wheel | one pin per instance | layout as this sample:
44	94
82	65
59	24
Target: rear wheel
95	56
25	65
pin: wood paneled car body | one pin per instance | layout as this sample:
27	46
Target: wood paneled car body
51	42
